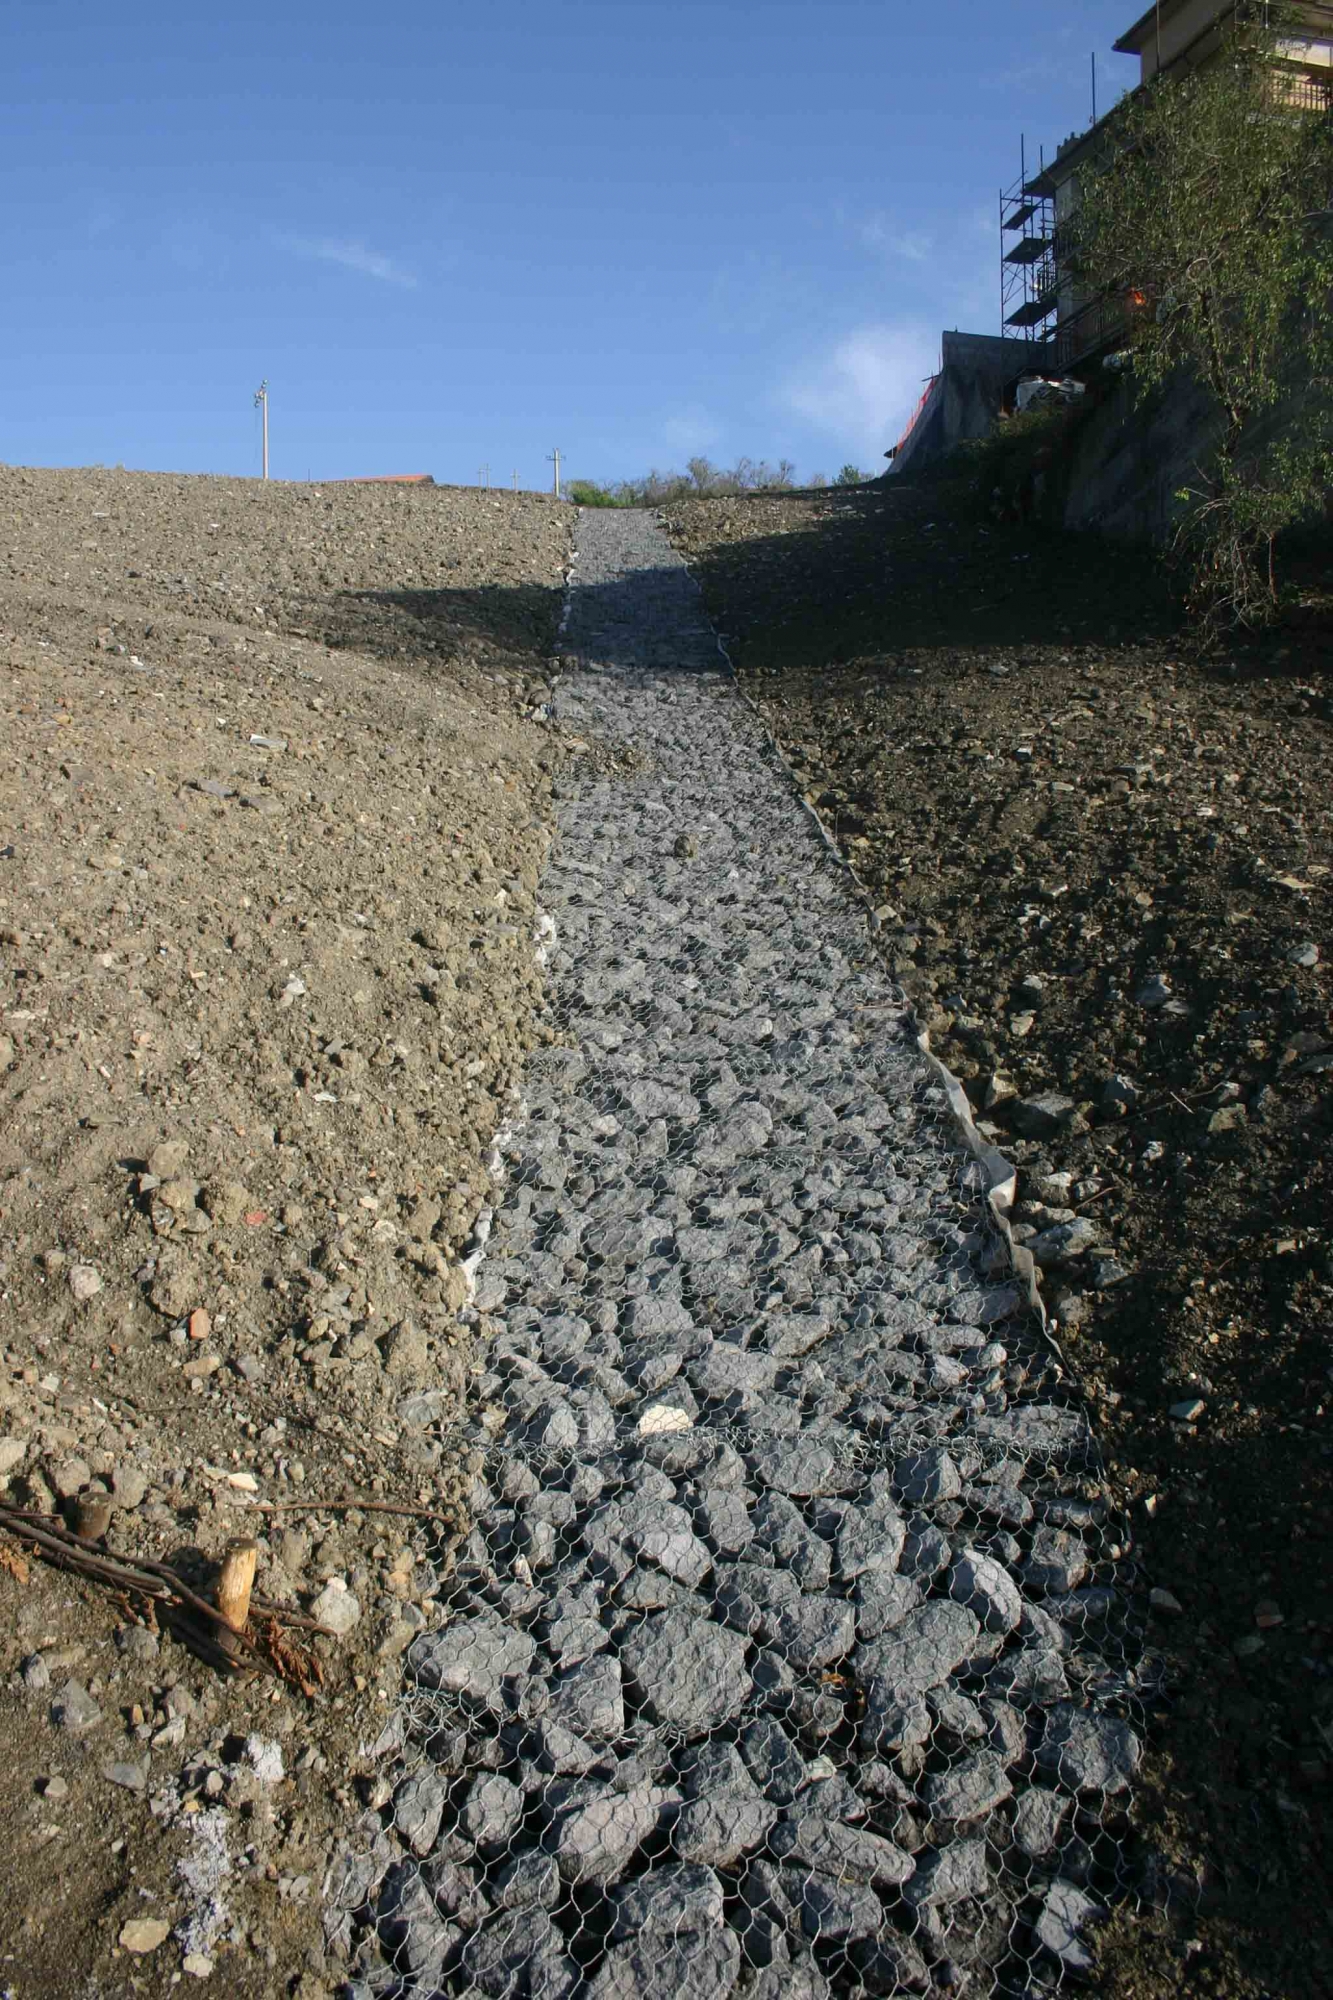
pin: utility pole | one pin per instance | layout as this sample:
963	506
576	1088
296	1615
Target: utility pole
484	476
553	458
261	403
516	479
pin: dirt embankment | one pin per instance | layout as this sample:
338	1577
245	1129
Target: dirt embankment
274	793
1105	873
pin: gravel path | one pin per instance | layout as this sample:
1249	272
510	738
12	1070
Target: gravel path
768	1669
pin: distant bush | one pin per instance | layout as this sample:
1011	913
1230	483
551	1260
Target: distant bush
851	475
587	493
701	476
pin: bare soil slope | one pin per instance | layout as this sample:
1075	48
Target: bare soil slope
1105	873
274	783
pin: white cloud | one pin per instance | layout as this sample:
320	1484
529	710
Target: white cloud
690	431
352	254
861	394
881	235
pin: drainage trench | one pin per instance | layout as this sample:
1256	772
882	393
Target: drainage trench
786	1655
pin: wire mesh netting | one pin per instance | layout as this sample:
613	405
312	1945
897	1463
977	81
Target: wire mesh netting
789	1652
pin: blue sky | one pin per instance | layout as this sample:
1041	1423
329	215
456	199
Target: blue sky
453	235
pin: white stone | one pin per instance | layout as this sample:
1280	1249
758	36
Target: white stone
336	1607
84	1281
144	1934
264	1757
662	1418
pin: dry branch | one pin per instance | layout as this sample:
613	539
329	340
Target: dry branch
158	1589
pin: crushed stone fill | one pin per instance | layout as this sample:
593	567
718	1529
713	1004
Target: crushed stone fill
785	1655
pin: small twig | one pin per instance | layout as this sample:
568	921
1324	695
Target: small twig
345	1507
1112	1187
1186	1103
142	1575
288	1616
156	1581
57	1542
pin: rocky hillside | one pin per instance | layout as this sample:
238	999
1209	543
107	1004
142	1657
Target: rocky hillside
274	785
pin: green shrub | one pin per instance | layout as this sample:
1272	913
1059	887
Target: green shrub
587	493
998	475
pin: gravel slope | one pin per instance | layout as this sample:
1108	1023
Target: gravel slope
274	792
1105	872
786	1653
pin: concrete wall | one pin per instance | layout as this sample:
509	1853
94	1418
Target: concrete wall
1182	28
926	440
976	371
1124	461
1127	460
1192	31
1118	466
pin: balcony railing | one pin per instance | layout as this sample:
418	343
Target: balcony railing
1300	91
1100	324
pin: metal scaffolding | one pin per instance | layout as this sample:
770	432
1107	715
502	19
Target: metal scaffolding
1027	258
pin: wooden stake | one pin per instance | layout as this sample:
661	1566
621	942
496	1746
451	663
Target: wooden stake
236	1581
92	1516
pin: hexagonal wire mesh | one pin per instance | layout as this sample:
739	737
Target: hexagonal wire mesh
789	1652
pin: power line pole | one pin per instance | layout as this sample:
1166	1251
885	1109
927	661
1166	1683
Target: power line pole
516	480
553	458
261	403
484	476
